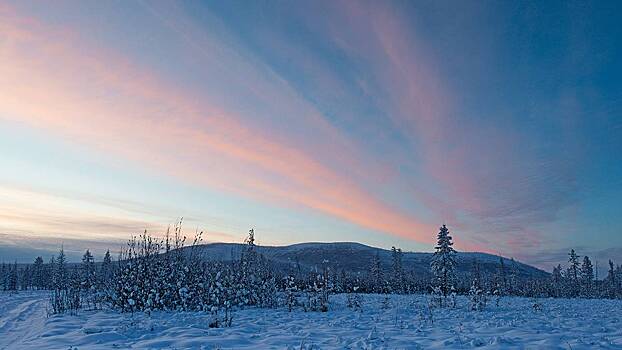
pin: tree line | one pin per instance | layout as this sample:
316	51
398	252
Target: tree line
579	279
166	274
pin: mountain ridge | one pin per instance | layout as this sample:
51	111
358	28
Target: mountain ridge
356	258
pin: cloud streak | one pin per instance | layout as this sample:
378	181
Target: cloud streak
55	81
389	117
490	181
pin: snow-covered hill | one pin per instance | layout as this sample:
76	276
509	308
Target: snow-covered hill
356	257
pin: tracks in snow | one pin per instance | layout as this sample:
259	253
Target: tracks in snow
21	315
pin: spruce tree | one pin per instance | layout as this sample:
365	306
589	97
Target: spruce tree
12	283
557	279
60	278
50	273
502	282
249	271
612	282
3	276
375	272
587	276
38	273
574	267
573	272
513	278
88	270
25	280
106	269
443	264
398	271
477	295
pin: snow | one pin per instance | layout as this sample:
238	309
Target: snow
401	322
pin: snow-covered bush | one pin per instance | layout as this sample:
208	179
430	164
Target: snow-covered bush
477	297
167	275
291	290
221	316
536	305
353	301
386	303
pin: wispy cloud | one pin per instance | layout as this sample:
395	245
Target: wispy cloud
99	99
491	181
353	110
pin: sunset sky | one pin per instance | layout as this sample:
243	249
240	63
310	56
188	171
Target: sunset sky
373	122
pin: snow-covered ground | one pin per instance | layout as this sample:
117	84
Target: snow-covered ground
403	323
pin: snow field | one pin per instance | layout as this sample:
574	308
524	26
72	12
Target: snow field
396	322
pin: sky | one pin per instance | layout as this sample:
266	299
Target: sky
374	122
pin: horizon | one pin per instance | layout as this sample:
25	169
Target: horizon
364	122
74	256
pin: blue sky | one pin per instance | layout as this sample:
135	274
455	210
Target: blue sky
313	121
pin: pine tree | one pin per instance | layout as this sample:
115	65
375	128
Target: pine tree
3	276
88	270
573	272
50	273
513	278
443	265
612	282
587	276
249	272
557	279
574	266
25	280
38	273
290	293
375	272
502	283
398	271
250	240
12	282
60	278
476	293
106	269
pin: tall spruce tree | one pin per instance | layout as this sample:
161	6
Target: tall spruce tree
88	270
587	276
38	274
375	272
25	278
574	266
106	269
398	271
477	295
443	264
50	273
61	275
557	279
612	281
502	281
573	273
3	276
12	282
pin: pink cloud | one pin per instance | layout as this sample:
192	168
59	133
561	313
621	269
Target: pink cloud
478	174
53	80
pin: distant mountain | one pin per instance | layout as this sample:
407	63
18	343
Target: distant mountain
356	257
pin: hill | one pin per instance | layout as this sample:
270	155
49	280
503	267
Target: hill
356	257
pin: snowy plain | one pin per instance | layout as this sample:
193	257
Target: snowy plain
399	322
